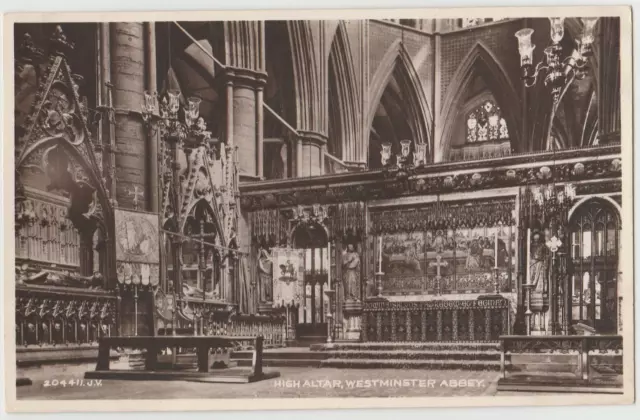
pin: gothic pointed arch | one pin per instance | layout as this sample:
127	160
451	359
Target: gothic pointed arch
55	152
306	78
200	189
396	80
57	122
479	61
343	99
280	95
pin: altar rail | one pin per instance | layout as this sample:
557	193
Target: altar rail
469	320
560	344
272	329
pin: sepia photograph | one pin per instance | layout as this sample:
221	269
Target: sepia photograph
356	210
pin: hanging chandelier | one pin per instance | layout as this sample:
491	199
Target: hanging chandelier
558	69
192	130
404	165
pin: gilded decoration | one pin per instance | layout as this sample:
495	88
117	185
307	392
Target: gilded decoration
434	179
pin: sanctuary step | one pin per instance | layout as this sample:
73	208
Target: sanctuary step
283	357
468	356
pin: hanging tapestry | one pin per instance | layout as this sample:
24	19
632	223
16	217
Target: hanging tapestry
458	256
288	276
137	248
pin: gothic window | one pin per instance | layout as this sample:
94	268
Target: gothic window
486	123
595	246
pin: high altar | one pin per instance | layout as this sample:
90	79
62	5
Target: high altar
446	252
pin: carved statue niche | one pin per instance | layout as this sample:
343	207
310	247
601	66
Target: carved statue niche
539	270
265	274
351	272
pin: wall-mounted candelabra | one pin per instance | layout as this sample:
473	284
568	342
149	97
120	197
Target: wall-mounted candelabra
404	164
192	129
557	69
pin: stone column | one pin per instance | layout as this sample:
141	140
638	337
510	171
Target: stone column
128	65
310	156
246	119
245	80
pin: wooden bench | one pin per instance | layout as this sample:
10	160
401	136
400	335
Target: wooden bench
584	347
153	345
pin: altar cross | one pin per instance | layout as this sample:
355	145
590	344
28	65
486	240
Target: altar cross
437	264
136	194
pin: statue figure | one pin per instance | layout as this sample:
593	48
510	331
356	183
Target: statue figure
474	255
439	242
265	270
351	273
539	263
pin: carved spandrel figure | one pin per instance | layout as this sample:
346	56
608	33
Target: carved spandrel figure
351	273
539	263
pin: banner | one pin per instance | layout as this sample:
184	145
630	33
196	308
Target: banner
137	248
288	276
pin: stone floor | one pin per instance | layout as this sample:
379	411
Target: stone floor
293	382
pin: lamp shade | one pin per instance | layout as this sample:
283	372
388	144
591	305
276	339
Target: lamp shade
525	47
174	100
150	104
193	108
557	29
589	25
405	147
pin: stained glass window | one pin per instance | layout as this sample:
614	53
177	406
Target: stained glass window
486	123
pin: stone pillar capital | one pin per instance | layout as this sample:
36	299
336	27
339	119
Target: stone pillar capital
247	78
312	138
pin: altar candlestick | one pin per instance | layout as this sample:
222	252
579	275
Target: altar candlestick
329	266
496	251
380	254
527	280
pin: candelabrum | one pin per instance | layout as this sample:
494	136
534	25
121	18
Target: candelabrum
558	69
192	129
404	164
496	279
330	295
